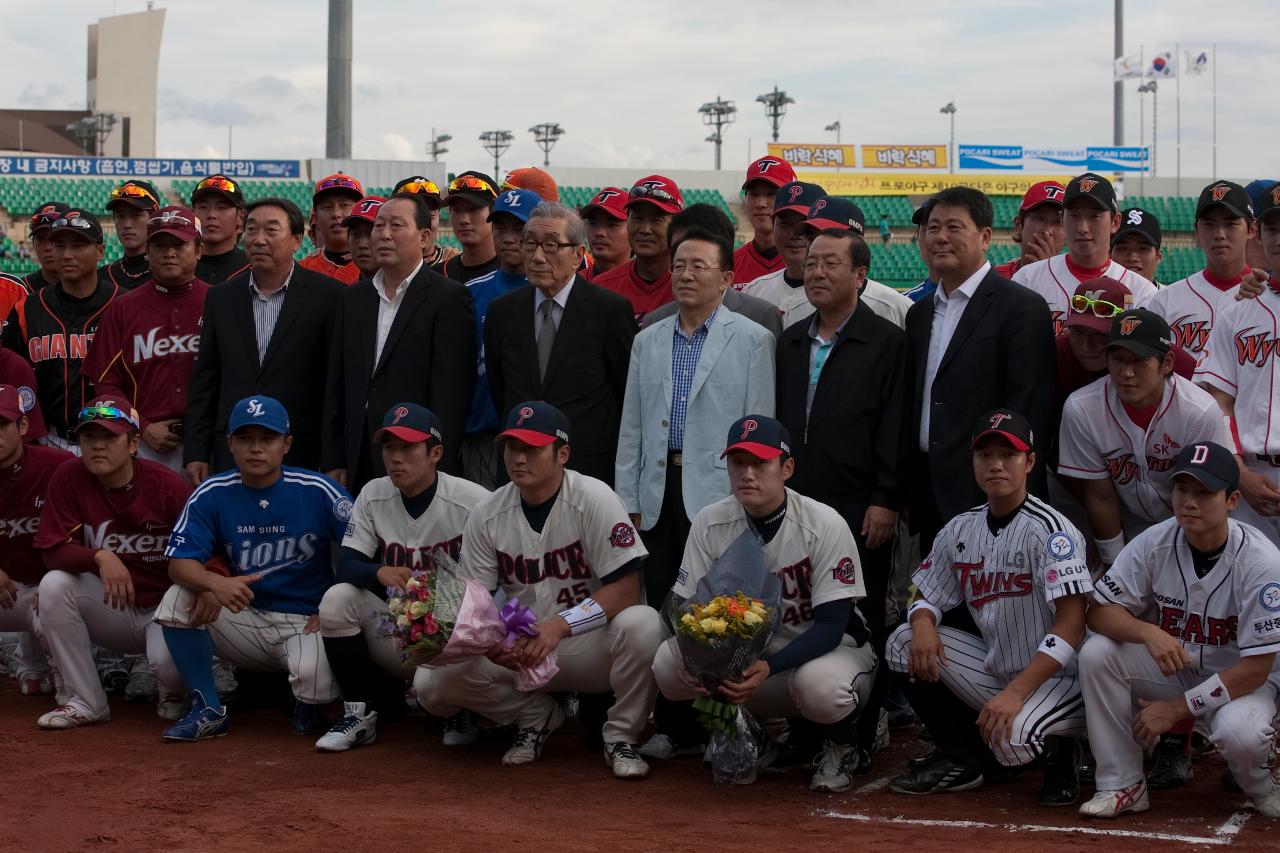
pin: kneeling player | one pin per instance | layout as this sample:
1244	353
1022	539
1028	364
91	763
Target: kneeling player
812	668
1020	568
562	544
276	525
1187	625
397	522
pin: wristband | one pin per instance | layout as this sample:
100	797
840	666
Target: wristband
1207	696
1057	648
584	616
924	605
1109	549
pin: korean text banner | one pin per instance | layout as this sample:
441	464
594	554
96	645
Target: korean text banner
136	167
904	156
803	155
898	183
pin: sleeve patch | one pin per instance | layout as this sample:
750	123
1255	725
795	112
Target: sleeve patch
342	509
1269	597
1059	546
623	535
845	572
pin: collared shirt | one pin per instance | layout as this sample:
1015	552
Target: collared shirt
819	352
685	352
561	299
947	311
388	307
266	311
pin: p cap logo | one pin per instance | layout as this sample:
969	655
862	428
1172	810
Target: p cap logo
524	415
1053	193
748	426
255	408
1200	455
794	193
1220	192
1087	185
999	418
1134	218
817	206
399	414
1128	324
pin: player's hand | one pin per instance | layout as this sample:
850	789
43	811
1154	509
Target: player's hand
503	656
878	526
313	624
1156	718
233	593
204	609
1168	652
338	475
197	472
394	576
117	585
635	519
738	692
8	591
692	683
996	719
1252	284
1037	247
158	437
1260	492
532	650
925	651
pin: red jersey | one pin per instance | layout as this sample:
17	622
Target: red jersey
23	489
318	261
644	296
81	517
145	348
750	262
13	292
16	371
1007	270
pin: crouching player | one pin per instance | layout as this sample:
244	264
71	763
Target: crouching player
812	668
276	526
1187	626
1019	567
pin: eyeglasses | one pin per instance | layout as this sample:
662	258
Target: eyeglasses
337	182
824	264
697	268
132	191
218	182
1101	308
549	247
419	186
471	182
108	413
650	190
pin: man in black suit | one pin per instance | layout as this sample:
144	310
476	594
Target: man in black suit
407	333
564	340
978	343
265	331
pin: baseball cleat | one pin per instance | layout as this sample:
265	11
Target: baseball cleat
308	718
115	680
68	717
1061	785
460	729
837	765
35	684
1112	804
1269	805
172	706
1171	767
527	745
882	732
625	761
224	679
940	776
661	748
200	723
356	728
142	685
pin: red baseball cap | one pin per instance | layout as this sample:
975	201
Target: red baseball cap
611	200
366	210
337	182
177	221
1100	294
11	403
1045	192
771	170
657	190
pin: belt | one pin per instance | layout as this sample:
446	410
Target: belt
675	457
1273	459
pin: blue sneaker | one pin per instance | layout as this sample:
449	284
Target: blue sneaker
200	723
308	719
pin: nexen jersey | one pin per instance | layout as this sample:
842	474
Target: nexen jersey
381	528
813	554
1054	280
1230	613
23	490
284	532
587	536
1098	440
1241	362
1191	307
1009	580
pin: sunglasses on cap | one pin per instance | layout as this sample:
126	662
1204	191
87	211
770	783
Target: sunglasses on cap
337	182
218	182
642	191
107	413
169	218
73	222
1101	308
423	186
471	182
132	191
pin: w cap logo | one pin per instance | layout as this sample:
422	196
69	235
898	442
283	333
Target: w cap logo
512	199
1135	217
763	166
399	414
1220	192
1275	194
817	206
1087	185
999	418
255	408
1128	325
524	415
1053	193
748	426
604	195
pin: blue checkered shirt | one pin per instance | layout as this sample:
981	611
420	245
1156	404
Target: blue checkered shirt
685	351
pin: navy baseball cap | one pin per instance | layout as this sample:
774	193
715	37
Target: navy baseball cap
1094	187
1268	200
411	422
760	435
1212	464
798	196
536	424
266	412
1007	424
834	212
1259	193
516	202
1144	333
1144	223
1227	195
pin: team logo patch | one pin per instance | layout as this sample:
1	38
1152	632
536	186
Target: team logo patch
845	572
1135	217
1051	576
1216	692
682	575
1087	185
748	426
1060	546
342	509
26	398
399	415
524	415
623	535
1269	597
765	165
1275	194
1128	325
1220	192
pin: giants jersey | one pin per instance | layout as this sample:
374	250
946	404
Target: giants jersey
1010	579
382	530
1240	360
1190	307
318	261
644	296
587	536
1230	613
813	554
1099	440
24	487
749	263
1052	279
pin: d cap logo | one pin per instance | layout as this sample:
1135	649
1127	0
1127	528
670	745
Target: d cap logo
1128	324
1220	192
524	415
399	414
999	418
255	408
1200	455
1087	185
748	426
1135	217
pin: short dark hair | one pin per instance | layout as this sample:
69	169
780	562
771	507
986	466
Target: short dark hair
859	253
724	248
973	200
421	212
705	216
297	223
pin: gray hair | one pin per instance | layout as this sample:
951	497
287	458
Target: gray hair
575	228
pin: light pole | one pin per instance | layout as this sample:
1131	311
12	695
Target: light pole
435	146
496	142
834	127
546	135
775	107
950	111
718	114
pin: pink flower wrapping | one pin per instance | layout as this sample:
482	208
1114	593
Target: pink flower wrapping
477	629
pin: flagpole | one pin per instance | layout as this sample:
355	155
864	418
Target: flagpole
1142	128
1177	59
1213	57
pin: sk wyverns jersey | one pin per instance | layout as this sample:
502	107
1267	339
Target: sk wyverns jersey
1241	361
381	528
587	536
1230	613
1098	440
813	554
284	532
1190	307
1010	580
1054	280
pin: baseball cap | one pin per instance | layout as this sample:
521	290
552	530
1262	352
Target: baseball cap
1094	187
366	210
922	212
1257	191
81	223
411	422
115	414
48	213
1144	333
11	407
661	192
516	202
1210	463
532	178
773	170
1007	424
1045	192
338	182
798	196
762	436
424	188
1096	303
219	185
266	412
176	220
139	194
536	423
611	200
834	212
1144	223
1270	203
1227	195
476	187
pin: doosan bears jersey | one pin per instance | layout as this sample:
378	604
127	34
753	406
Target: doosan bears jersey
285	533
23	490
1191	307
1241	360
1053	279
381	528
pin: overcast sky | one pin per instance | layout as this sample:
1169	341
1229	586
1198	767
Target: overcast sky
625	79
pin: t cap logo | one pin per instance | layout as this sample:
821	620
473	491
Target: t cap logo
999	418
256	409
748	426
399	414
604	195
1135	217
1220	192
1200	455
650	186
765	165
524	415
368	206
1087	185
1053	193
1128	324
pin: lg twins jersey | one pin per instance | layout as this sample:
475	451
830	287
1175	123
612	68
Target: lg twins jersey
587	536
1241	362
1009	580
1098	440
1190	307
1054	280
383	530
1230	613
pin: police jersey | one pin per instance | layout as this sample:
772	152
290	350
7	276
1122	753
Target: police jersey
1009	579
813	554
1054	280
1098	440
1230	613
587	536
1190	307
1241	361
383	530
284	532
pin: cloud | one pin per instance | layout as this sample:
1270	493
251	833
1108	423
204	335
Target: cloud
47	96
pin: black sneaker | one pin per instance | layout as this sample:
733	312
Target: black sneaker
1229	783
1061	786
924	760
1171	765
939	777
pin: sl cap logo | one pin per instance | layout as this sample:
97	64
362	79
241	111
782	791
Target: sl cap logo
255	408
524	415
512	199
399	414
1128	324
1220	192
748	426
1087	185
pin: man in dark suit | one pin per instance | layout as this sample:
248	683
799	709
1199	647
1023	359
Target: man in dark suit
265	331
405	334
564	340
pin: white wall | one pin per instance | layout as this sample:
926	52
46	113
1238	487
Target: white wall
124	65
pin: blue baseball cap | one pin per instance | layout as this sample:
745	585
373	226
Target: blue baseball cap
266	412
835	212
1259	197
536	423
1212	464
411	422
519	203
798	196
761	436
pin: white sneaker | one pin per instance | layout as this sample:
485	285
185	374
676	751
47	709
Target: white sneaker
1112	804
528	742
224	679
172	706
625	761
661	747
142	684
67	717
836	764
460	729
35	684
1269	805
356	728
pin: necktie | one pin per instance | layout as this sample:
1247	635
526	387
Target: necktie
546	335
819	359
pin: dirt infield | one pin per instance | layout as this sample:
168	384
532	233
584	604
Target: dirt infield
119	787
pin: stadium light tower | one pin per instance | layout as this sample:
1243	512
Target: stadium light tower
496	142
337	131
435	147
718	114
950	111
775	107
834	127
92	131
546	135
1151	87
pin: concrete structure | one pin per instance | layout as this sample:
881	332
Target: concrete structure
123	68
337	128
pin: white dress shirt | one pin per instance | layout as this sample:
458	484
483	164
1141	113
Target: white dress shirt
561	299
389	306
947	311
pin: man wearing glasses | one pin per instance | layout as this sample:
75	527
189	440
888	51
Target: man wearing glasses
427	190
219	203
470	199
331	203
645	280
131	205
